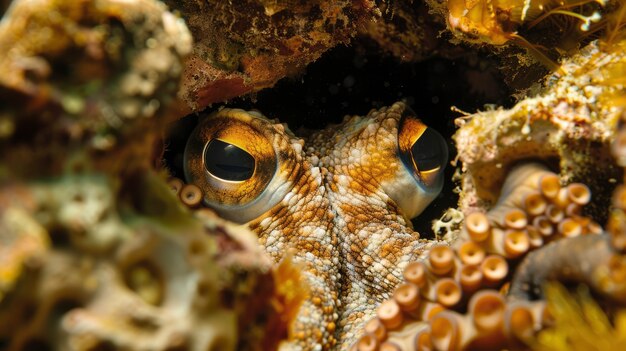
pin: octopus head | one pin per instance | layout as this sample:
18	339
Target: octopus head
245	164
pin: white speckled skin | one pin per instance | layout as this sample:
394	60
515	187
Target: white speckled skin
341	224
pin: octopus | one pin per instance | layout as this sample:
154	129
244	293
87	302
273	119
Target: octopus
341	208
339	204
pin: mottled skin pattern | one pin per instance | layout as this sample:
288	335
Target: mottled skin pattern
339	218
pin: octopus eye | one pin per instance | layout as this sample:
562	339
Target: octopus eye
232	157
429	154
227	161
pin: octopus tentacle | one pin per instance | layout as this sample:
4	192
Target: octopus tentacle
458	292
583	259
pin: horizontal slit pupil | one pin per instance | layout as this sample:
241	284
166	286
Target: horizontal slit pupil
427	164
227	161
428	151
426	158
233	168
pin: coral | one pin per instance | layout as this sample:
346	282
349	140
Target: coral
96	252
101	281
245	46
499	22
408	30
82	72
569	125
533	25
530	36
580	324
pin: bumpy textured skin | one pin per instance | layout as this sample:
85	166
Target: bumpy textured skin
340	224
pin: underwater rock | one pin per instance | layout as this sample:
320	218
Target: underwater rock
83	270
86	73
96	251
245	46
409	30
101	281
569	125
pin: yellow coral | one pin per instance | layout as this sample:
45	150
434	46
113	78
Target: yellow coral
580	324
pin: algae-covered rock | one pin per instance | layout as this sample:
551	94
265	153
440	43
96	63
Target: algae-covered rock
245	46
82	75
96	252
569	125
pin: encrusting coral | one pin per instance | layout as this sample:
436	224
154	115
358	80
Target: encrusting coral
97	280
245	46
500	21
569	125
75	84
523	33
96	253
579	321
